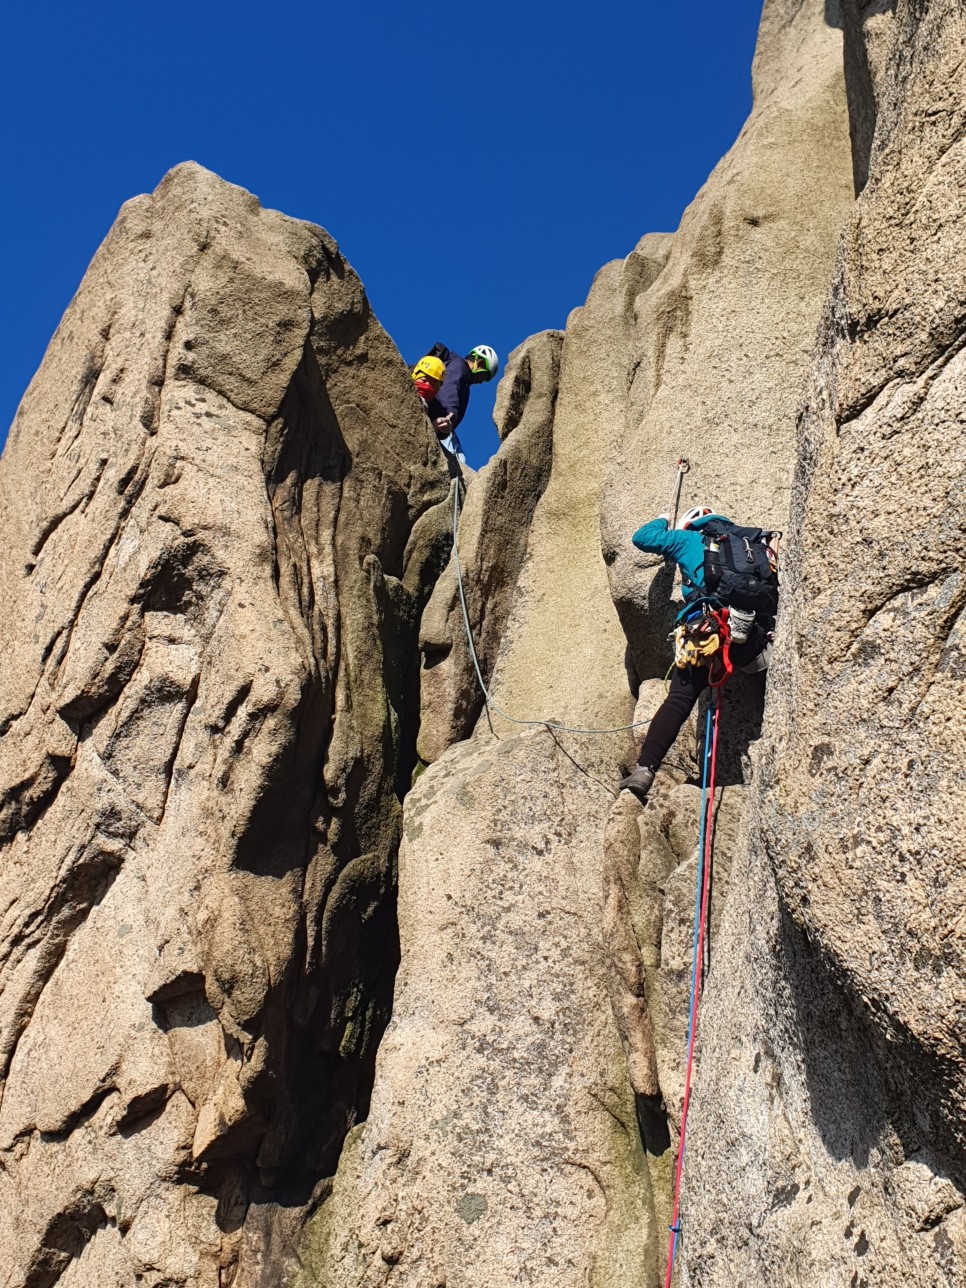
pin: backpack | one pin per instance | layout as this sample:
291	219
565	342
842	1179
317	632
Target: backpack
739	567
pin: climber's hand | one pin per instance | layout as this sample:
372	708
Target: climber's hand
444	424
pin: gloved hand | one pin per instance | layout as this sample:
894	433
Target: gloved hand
666	518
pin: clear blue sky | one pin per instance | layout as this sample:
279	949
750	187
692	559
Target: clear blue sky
477	163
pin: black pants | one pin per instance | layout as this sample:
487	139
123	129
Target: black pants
687	685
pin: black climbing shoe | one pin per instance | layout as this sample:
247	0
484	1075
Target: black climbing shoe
639	782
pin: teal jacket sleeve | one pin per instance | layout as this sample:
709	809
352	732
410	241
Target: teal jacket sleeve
658	538
685	548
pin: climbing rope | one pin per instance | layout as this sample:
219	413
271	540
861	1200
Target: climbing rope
490	704
702	899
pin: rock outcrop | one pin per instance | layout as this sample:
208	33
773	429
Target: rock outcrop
830	1125
238	690
502	1145
721	314
493	528
724	332
212	572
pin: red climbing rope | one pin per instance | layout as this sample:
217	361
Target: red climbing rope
720	674
702	904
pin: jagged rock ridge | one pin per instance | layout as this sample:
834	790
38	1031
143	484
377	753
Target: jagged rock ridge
220	566
217	506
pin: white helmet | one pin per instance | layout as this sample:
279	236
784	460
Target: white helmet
689	516
487	356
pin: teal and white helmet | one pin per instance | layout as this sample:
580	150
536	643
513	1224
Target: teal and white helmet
487	356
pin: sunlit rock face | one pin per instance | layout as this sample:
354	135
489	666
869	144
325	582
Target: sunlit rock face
210	585
493	520
238	689
502	1144
724	323
474	1163
831	1123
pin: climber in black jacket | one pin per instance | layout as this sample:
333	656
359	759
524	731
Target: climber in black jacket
449	406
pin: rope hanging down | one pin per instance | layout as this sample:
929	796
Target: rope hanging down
702	899
491	705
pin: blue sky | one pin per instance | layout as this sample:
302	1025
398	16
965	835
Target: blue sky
477	164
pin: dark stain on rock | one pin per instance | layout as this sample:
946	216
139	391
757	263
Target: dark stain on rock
786	1194
471	1207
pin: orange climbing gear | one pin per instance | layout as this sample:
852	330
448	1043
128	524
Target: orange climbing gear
704	639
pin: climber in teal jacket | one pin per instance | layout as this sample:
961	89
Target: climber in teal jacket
685	547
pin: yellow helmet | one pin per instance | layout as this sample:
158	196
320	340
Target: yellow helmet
430	367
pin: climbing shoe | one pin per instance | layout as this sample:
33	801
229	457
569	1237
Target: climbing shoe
639	782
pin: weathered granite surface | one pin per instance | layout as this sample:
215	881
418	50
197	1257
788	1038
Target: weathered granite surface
209	600
223	516
694	343
494	518
502	1145
830	1122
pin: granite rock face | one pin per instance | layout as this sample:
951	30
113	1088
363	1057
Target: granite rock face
494	520
831	1123
224	514
474	1133
502	1145
722	335
211	593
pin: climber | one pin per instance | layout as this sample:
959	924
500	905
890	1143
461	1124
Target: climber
449	406
428	375
729	576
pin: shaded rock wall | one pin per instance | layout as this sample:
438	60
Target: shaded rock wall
830	1121
211	595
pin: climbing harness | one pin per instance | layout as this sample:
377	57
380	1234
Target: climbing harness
702	901
490	704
